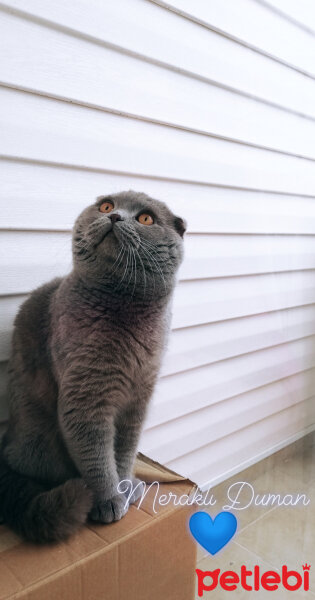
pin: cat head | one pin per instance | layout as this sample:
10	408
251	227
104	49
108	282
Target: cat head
129	242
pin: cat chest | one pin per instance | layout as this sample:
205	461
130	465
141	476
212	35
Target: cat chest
104	343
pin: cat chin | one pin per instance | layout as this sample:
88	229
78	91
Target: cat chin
109	245
106	234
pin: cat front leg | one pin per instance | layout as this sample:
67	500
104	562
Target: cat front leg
128	430
87	423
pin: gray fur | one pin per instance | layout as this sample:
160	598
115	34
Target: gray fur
85	358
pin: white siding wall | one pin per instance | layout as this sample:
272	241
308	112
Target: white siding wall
210	106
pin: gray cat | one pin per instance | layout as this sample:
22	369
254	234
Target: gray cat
85	358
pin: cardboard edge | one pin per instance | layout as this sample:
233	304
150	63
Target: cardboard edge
170	476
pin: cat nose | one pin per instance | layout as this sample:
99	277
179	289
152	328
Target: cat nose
115	217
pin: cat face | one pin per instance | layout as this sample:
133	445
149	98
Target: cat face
130	242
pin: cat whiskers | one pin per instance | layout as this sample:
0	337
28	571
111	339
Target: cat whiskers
131	265
153	262
82	249
119	259
153	249
134	266
134	262
144	275
149	260
125	271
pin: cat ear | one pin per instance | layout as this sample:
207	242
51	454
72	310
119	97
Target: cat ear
180	225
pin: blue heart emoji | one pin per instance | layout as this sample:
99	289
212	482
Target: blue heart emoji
213	534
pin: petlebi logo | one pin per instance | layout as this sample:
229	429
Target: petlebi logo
213	535
254	580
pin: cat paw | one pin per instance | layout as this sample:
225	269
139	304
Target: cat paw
107	511
138	486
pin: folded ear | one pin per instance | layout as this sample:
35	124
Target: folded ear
180	225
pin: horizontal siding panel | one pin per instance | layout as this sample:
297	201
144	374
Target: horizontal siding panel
203	107
183	393
163	36
35	197
212	423
35	259
48	254
219	299
42	129
301	11
215	462
255	24
196	346
221	256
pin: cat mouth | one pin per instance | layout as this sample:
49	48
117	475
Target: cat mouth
105	234
112	229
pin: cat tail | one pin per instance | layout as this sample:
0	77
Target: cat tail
39	514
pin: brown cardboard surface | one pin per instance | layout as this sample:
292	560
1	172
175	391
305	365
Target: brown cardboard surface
115	531
9	583
147	554
159	561
149	470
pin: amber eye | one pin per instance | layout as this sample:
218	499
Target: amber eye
106	207
145	219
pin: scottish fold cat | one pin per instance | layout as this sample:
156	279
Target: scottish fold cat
85	357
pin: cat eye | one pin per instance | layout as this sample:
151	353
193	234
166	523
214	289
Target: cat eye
145	219
106	207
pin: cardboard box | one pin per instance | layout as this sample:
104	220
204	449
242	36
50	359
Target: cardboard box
145	556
